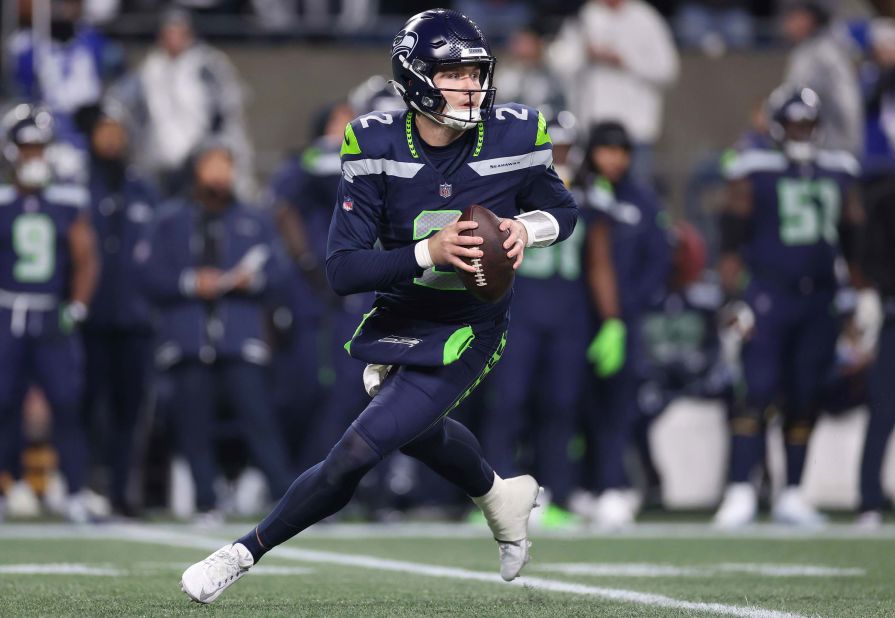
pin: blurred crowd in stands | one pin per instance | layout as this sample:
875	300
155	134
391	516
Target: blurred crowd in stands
210	328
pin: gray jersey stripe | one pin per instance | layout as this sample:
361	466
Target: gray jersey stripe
363	167
500	165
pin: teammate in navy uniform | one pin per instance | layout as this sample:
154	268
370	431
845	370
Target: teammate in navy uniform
117	334
792	211
207	265
629	258
321	387
681	345
406	178
48	271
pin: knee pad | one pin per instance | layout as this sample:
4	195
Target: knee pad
349	459
797	428
746	420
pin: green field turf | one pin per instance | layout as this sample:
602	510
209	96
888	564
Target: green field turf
674	570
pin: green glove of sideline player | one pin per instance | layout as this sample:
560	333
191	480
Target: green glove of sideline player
607	350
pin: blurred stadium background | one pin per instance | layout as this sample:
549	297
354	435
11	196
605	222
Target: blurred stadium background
266	77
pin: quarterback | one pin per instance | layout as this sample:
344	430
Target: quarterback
406	177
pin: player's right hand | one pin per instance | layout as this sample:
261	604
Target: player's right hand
447	247
738	316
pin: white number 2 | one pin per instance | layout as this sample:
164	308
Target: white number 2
380	117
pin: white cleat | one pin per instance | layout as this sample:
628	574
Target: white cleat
205	581
613	510
739	507
507	507
792	509
21	501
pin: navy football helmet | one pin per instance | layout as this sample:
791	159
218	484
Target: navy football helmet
26	124
794	115
427	43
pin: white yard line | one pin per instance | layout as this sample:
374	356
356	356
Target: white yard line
623	569
160	537
63	568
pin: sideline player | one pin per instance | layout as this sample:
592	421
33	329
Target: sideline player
406	178
792	212
48	272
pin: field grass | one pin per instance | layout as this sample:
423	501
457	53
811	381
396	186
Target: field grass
345	570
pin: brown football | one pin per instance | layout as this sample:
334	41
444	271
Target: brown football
494	270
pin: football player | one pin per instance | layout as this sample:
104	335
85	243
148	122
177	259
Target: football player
302	194
48	271
406	178
629	257
791	212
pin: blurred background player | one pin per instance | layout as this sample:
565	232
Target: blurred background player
48	272
118	331
791	213
879	267
208	262
628	262
323	388
681	345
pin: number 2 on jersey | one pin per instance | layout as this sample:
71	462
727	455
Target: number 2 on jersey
425	223
34	241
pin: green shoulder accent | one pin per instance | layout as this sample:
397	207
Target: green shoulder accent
543	137
728	157
408	129
309	158
456	344
603	184
349	145
360	326
663	220
480	139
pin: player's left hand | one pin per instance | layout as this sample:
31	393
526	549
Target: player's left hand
516	241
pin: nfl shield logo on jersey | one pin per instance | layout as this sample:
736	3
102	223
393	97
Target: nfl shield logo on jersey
444	190
347	204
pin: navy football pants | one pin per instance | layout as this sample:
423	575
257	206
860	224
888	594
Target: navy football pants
882	419
243	386
117	371
53	362
409	414
544	371
786	361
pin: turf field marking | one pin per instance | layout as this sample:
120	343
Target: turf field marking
761	531
161	537
623	569
261	569
60	568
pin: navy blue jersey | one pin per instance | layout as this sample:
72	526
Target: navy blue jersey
795	212
641	250
392	195
309	184
34	250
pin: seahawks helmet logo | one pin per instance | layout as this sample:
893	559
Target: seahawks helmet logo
404	43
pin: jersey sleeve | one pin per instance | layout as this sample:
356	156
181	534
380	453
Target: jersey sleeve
543	189
353	265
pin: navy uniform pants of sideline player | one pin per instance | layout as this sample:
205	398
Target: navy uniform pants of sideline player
882	417
787	359
54	362
409	413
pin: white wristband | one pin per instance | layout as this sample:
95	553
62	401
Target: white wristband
421	252
542	228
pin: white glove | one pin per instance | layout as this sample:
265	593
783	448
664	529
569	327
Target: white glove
374	375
